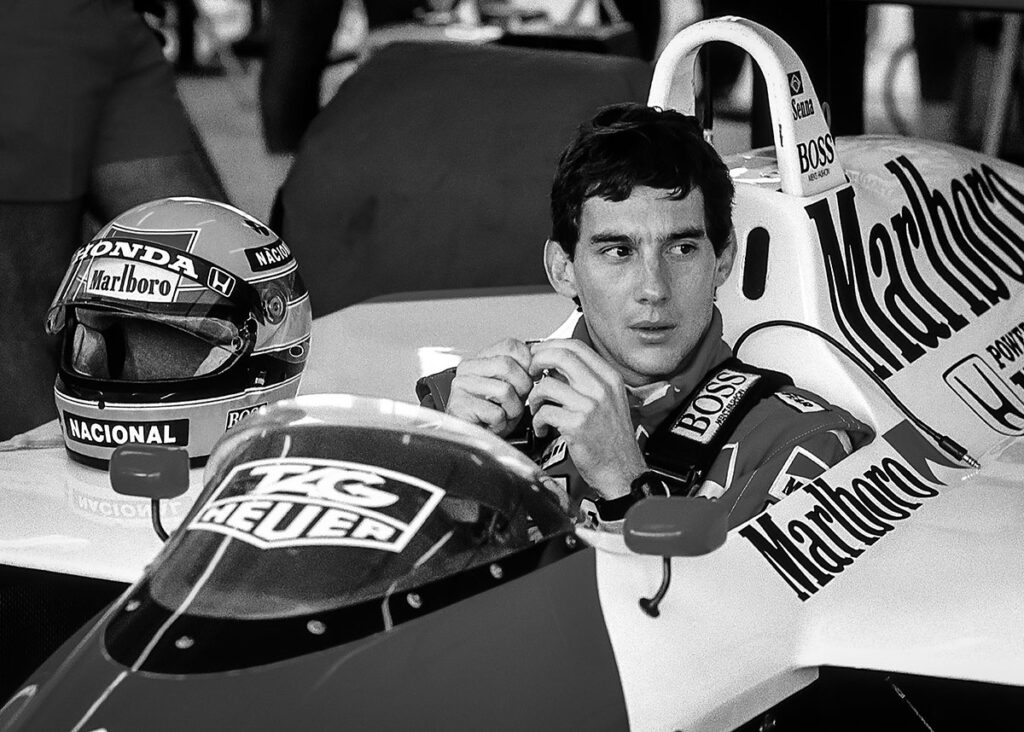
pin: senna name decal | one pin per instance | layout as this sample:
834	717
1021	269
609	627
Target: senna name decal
894	305
808	552
803	106
289	502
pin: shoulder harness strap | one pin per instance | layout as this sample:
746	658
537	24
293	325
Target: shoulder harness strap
685	444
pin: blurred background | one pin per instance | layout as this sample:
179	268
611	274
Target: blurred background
405	146
959	45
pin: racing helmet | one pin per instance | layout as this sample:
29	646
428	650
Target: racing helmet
178	319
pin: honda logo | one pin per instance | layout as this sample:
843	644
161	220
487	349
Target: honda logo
220	281
987	395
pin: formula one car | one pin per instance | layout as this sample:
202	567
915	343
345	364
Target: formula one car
359	563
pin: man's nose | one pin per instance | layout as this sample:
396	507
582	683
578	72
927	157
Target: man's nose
653	283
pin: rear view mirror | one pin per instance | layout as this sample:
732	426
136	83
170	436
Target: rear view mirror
150	471
673	527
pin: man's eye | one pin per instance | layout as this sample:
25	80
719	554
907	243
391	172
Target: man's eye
683	248
616	252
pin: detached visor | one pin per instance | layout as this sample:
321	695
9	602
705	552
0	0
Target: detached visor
135	311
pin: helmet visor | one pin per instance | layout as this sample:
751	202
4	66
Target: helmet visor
136	311
150	279
117	346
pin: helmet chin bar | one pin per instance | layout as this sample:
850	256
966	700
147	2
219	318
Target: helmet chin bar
95	424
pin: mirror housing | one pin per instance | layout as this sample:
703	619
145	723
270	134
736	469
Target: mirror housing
675	526
149	471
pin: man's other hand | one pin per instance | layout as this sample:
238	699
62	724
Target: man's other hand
586	402
490	388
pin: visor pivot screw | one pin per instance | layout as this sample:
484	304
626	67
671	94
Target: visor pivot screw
131	606
497	572
414	600
570	541
184	643
316	627
275	309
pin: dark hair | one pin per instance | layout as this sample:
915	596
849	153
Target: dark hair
629	145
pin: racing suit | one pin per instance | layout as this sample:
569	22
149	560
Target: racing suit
786	439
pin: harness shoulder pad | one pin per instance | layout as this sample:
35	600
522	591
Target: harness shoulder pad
686	443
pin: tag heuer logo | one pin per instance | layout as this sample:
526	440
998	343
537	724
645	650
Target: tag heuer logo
796	83
293	502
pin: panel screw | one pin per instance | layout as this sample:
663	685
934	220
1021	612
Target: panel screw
414	600
316	627
132	606
184	643
497	572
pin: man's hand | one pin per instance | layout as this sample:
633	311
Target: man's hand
586	402
490	388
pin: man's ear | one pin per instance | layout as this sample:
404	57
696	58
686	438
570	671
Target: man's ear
725	260
559	267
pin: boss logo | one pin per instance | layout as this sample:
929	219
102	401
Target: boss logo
816	153
712	405
237	415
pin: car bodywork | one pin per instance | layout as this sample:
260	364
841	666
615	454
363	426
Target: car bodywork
901	558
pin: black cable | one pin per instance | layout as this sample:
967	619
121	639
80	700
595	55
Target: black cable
945	442
906	700
158	526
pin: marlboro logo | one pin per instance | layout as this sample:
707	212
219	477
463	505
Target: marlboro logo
811	550
130	281
961	241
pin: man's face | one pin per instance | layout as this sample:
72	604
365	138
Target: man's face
645	273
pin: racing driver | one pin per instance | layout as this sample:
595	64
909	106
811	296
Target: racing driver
645	397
